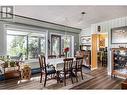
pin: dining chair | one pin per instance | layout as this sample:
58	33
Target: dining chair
51	56
68	62
61	56
46	70
104	59
78	67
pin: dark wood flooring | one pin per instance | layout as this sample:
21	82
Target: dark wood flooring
100	81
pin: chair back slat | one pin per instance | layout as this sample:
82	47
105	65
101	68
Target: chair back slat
51	56
62	55
68	62
42	62
79	61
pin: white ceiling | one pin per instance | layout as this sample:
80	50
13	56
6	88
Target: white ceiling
71	15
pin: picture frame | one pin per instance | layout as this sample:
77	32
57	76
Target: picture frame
85	40
119	35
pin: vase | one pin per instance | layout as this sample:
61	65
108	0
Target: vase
66	54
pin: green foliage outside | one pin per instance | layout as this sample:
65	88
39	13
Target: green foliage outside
17	46
33	48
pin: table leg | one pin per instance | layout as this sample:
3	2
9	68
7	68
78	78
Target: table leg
58	78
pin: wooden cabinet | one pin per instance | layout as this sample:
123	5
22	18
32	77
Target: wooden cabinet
124	84
119	60
87	58
85	48
12	72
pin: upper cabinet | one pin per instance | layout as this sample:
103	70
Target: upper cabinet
85	40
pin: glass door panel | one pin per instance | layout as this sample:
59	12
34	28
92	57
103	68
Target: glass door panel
16	44
67	42
55	45
42	46
33	47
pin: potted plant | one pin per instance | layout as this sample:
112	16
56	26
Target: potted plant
12	64
5	65
66	51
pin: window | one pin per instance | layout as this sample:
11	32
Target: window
55	45
67	42
29	43
33	47
59	42
16	44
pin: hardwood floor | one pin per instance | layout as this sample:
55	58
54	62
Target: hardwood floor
100	81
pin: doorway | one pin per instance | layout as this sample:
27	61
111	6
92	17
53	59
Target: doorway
99	50
102	44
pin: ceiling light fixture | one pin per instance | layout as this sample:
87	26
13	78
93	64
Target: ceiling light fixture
83	13
81	20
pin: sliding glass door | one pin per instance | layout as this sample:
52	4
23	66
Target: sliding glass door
59	43
67	42
55	45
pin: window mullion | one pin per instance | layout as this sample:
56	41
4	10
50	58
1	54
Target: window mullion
27	46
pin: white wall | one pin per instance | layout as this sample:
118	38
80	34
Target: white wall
25	23
2	40
86	31
106	27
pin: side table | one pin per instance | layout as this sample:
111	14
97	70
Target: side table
25	72
124	84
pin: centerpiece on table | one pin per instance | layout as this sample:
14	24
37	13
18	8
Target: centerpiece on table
66	50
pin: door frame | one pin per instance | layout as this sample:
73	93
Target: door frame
96	66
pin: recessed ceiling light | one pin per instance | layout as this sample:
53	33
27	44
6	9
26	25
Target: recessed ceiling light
83	12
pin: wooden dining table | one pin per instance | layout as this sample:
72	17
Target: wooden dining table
58	63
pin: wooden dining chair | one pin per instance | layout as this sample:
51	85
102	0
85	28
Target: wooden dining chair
61	56
51	56
68	62
46	70
78	67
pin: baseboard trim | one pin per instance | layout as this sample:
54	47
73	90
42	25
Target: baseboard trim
86	66
93	68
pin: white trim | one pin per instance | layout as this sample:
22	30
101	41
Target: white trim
24	28
101	33
93	68
51	39
120	77
73	44
109	73
46	45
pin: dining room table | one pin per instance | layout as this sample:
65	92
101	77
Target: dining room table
58	63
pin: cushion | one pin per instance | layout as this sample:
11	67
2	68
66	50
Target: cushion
50	70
